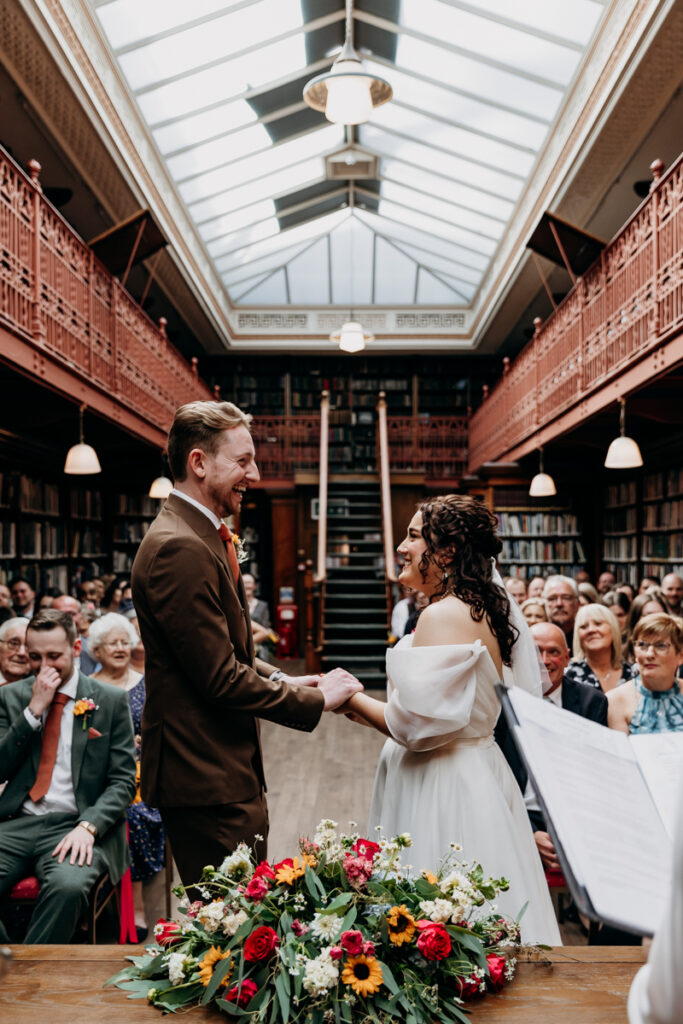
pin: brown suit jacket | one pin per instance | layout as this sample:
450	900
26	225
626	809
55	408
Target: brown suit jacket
200	740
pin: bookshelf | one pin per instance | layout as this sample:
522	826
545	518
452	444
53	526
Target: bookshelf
133	515
619	549
538	538
661	541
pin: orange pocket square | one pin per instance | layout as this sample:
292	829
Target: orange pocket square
93	734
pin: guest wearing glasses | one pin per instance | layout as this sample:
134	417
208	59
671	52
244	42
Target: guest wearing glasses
562	596
14	663
111	639
652	702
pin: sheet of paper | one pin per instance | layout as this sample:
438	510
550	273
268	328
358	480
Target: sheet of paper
660	756
601	809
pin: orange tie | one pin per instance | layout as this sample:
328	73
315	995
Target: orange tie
226	537
48	753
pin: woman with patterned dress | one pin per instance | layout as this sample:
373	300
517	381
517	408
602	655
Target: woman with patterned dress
597	650
652	702
112	637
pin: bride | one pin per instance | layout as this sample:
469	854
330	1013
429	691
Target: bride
441	775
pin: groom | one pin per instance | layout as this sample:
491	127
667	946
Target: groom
201	754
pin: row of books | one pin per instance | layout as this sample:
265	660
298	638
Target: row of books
43	539
621	519
38	496
669	513
122	562
667	545
8	539
629	572
7	489
620	547
130	532
531	550
537	523
525	570
136	505
86	504
661	485
657	569
622	494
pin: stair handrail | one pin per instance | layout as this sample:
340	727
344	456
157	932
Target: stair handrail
321	570
385	490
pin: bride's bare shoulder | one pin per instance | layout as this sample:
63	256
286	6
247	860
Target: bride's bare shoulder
450	621
447	609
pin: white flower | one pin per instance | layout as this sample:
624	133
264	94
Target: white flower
231	922
238	863
405	839
176	968
320	974
211	916
326	926
437	910
326	833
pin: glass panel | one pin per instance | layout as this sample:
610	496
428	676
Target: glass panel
574	21
272	291
226	80
476	248
351	264
215	40
463	278
411	175
490	39
461	264
462	143
432	292
478	79
238	239
219	152
467	111
452	166
126	21
222	226
247	271
309	276
188	131
245	286
429	204
301	233
296	150
394	275
289	179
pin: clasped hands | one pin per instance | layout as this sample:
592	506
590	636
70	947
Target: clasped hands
337	686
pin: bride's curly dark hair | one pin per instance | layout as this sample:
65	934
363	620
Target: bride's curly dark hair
461	537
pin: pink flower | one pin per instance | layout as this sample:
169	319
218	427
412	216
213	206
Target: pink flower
368	949
352	943
336	952
299	928
358	870
194	908
257	889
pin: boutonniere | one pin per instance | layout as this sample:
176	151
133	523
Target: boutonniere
84	707
240	549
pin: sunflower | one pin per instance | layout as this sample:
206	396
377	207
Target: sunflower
206	966
289	873
401	925
363	974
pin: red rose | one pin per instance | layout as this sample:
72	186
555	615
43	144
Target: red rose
352	943
468	987
243	997
167	932
261	944
366	848
434	941
264	870
496	965
257	889
336	952
368	949
286	863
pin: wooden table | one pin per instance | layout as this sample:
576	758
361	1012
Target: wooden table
63	985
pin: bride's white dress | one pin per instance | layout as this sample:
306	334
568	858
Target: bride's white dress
443	778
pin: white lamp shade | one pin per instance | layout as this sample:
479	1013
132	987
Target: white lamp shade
623	453
348	94
161	487
82	460
351	337
542	486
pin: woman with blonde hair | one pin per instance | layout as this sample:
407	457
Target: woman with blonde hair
535	609
597	650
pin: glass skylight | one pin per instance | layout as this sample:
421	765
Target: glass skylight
478	86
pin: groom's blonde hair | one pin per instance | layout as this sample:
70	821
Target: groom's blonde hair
200	425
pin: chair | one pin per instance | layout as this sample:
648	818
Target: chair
26	892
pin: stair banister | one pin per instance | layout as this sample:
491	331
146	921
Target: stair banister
385	488
321	569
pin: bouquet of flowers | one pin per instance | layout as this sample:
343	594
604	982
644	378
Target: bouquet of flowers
341	933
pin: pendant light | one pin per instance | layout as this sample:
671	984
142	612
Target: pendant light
623	453
347	93
81	459
542	485
351	337
160	487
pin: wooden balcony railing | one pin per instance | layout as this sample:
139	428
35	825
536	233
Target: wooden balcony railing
57	297
627	305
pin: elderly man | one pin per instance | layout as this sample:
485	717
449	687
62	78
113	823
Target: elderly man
516	588
562	595
672	590
23	597
14	663
606	581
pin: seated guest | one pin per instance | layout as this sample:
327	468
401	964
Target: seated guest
115	595
14	663
588	594
68	604
86	617
402	609
99	590
23	597
582	576
70	776
534	609
647	583
650	602
598	651
627	589
652	700
620	606
672	589
516	587
535	586
572	696
562	596
112	638
259	614
45	597
606	581
5	596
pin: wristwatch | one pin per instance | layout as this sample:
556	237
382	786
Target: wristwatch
92	829
275	676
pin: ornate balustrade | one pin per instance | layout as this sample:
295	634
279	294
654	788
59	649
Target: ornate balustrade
57	297
627	305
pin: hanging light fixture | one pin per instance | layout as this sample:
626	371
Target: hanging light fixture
347	93
81	459
160	487
351	337
623	453
542	485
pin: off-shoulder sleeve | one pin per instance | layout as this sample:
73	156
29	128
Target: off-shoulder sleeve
432	692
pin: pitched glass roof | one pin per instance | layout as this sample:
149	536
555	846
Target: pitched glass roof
478	85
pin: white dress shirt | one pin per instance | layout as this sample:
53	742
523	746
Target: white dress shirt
530	799
400	616
60	796
197	504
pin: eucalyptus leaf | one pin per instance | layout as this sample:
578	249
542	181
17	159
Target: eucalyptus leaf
338	902
283	997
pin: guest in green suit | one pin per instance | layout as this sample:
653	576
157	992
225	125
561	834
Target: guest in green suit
67	753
